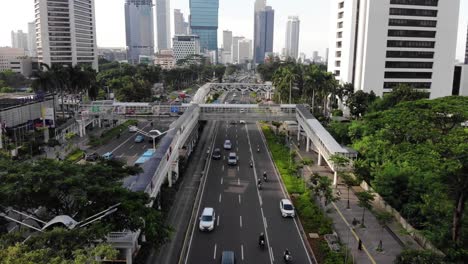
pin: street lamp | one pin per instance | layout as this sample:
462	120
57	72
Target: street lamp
153	134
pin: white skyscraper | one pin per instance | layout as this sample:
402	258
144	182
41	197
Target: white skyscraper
185	45
292	37
66	32
19	40
32	39
227	47
235	49
163	24
245	51
377	45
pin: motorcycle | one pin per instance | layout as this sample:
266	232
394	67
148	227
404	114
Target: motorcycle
287	258
259	185
251	164
262	243
265	177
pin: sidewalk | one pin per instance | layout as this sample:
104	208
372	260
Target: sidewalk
393	241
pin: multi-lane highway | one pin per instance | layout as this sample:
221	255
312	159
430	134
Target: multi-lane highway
243	211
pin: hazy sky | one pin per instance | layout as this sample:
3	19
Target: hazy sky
235	15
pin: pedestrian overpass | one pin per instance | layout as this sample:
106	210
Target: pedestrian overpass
183	135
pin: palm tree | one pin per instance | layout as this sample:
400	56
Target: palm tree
283	78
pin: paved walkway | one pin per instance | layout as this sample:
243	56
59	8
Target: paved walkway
392	238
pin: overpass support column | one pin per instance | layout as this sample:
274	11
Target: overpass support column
169	176
175	170
335	177
319	162
308	144
299	134
81	128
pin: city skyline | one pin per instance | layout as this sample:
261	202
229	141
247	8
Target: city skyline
110	21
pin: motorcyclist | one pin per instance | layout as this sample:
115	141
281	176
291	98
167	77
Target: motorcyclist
261	239
251	164
287	255
258	148
264	176
259	183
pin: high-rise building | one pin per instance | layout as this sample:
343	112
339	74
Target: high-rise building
180	25
245	51
165	59
378	45
185	45
292	37
19	40
32	39
204	22
235	49
139	27
66	32
466	49
264	22
227	40
163	24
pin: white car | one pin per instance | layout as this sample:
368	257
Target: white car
242	122
227	144
207	219
232	158
133	129
287	208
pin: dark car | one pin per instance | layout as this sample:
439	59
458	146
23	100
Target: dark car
92	156
216	154
228	257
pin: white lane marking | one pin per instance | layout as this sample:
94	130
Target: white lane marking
282	189
240	217
135	155
131	146
221	181
217	222
239	199
242	251
222	168
121	156
272	256
265	222
214	254
143	147
220	195
238	181
272	259
201	196
237	149
237	168
126	140
224	157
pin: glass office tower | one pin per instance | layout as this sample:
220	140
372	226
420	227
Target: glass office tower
204	22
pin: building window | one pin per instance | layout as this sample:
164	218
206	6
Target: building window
408	75
412	23
411	44
415	2
417	85
411	33
413	12
409	64
338	54
338	44
337	73
337	63
339	34
410	54
340	15
340	25
341	5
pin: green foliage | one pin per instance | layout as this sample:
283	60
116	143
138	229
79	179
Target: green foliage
419	257
110	134
401	93
12	79
282	158
359	102
414	154
312	217
76	155
6	89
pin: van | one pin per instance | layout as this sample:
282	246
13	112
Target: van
207	219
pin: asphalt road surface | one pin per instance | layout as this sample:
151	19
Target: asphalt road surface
125	148
242	210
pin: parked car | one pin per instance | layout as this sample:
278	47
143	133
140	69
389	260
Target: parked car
207	219
108	156
91	156
287	208
132	129
227	144
228	257
232	158
216	154
139	139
